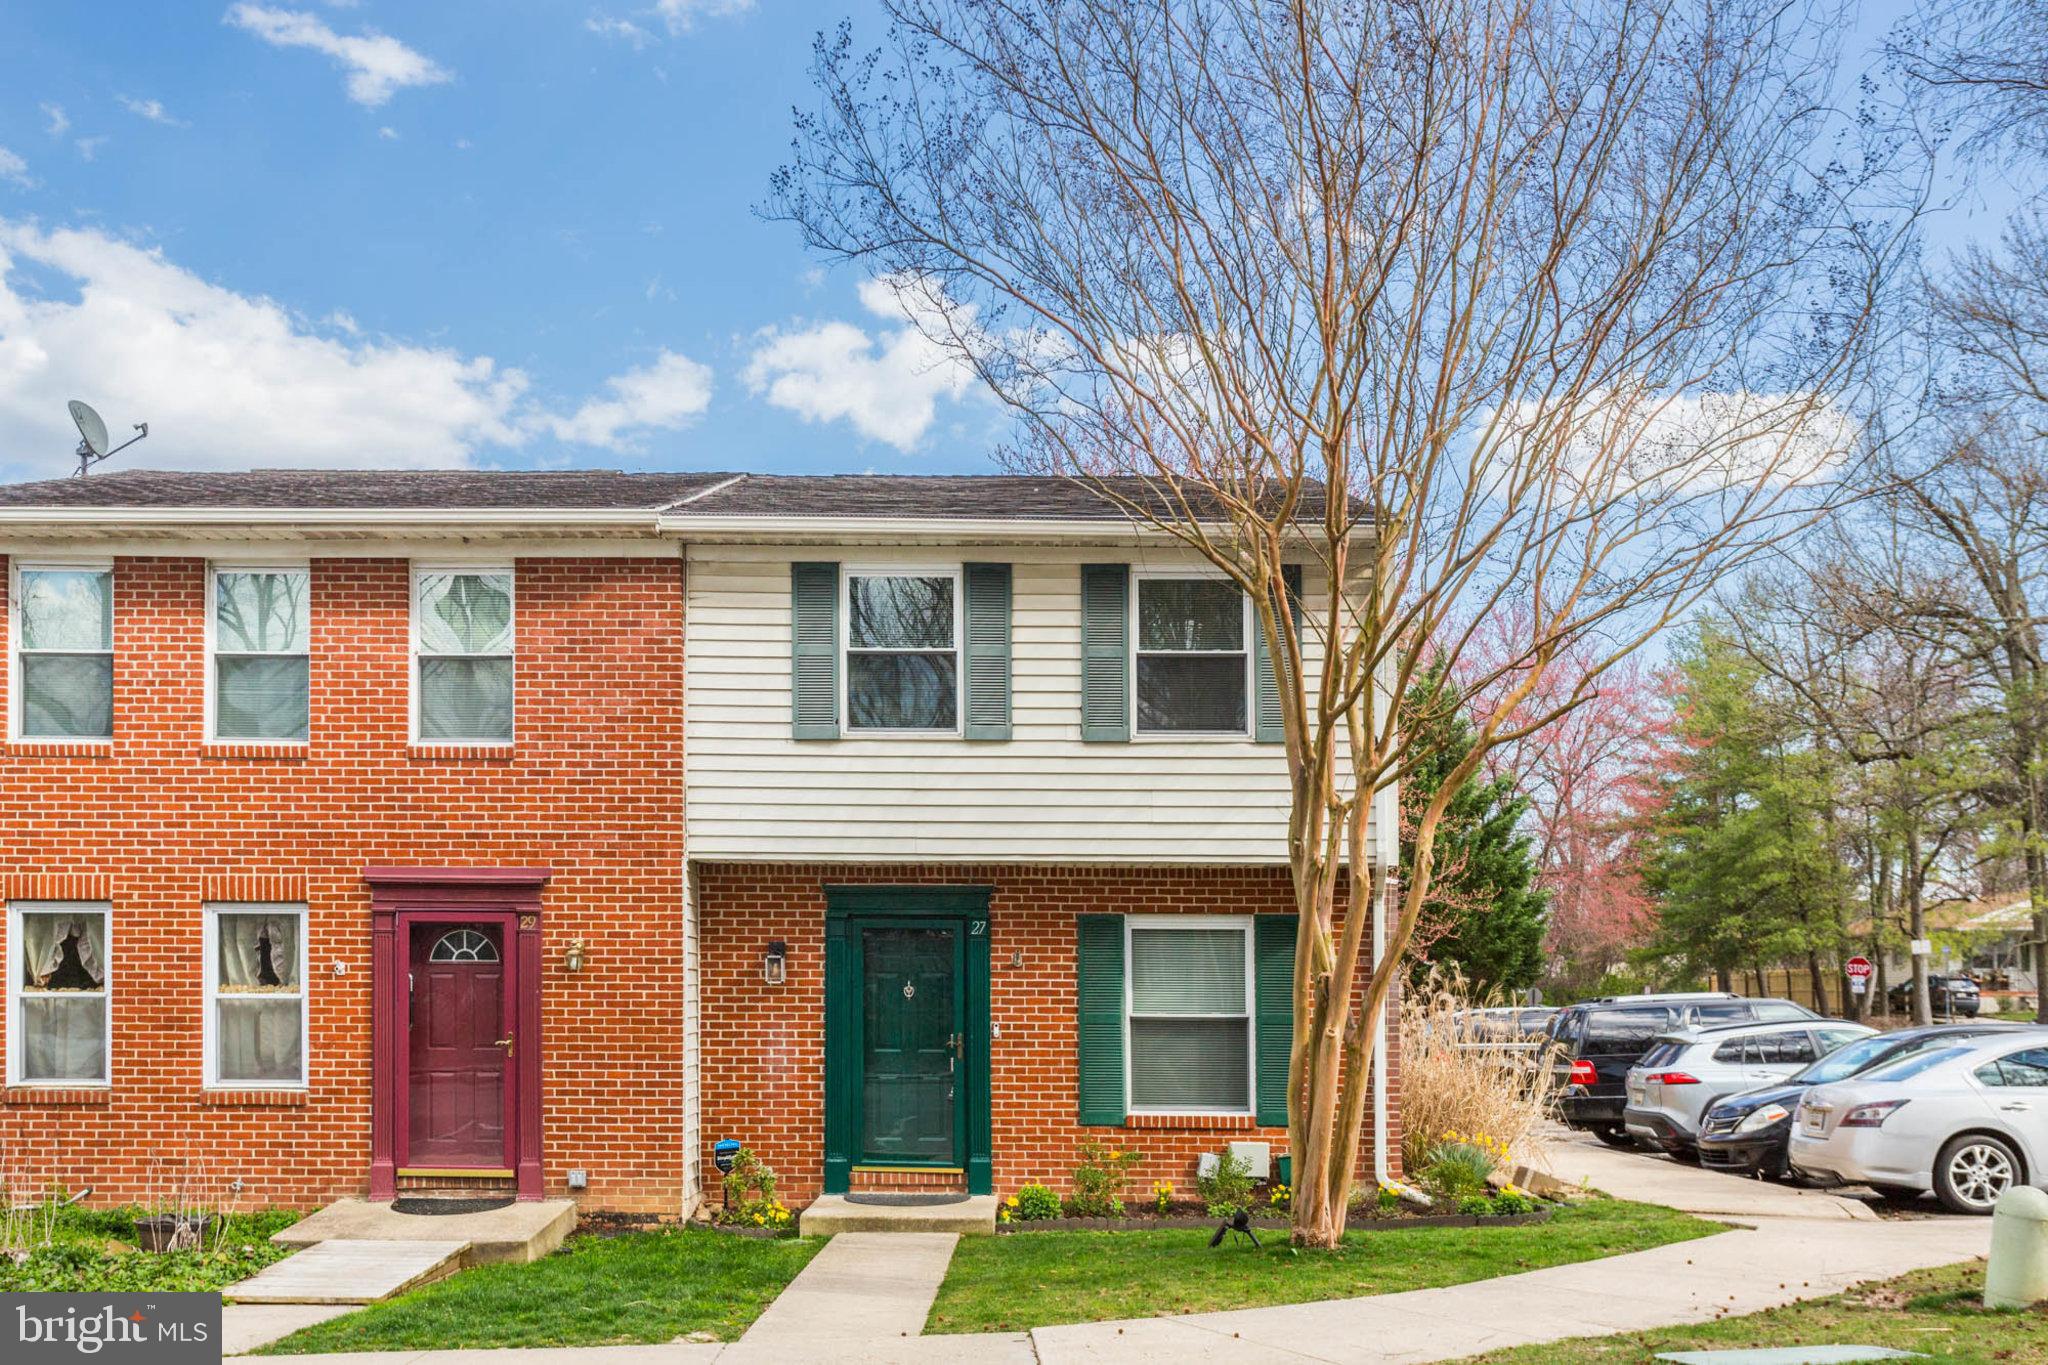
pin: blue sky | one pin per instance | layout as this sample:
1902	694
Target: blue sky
500	232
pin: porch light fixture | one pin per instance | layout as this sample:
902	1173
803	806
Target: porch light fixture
775	963
572	956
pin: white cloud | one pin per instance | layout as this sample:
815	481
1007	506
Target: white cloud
625	30
58	121
388	133
89	147
378	66
153	110
680	15
228	380
13	169
888	386
659	397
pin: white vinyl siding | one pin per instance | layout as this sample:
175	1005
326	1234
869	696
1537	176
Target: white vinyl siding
756	794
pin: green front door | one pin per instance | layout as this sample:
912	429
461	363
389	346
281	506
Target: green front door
912	1033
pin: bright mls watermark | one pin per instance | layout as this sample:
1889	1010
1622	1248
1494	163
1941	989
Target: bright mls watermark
162	1329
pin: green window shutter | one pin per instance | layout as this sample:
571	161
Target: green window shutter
814	651
1105	652
987	641
1099	1027
1273	1013
1271	727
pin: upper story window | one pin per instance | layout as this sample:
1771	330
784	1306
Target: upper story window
903	651
256	995
1193	668
57	994
260	642
462	655
63	634
1189	1015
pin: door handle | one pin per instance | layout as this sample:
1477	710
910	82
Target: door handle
2016	1106
506	1043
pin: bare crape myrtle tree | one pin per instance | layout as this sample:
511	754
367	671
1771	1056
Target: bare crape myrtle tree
1464	305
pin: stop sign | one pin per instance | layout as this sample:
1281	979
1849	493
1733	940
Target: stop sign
1858	968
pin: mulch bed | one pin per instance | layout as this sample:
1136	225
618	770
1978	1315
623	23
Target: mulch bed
1276	1222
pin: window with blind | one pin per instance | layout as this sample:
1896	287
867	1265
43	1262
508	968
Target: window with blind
1189	1011
57	994
261	670
903	651
1192	666
462	655
64	652
255	995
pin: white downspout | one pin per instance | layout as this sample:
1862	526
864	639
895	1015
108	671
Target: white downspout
1387	851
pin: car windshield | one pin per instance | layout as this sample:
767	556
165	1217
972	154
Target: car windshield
1857	1056
1907	1068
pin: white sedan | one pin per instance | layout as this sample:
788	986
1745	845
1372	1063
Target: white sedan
1967	1121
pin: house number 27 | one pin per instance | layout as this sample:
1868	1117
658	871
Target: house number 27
977	927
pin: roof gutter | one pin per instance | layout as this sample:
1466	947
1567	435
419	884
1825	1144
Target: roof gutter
326	516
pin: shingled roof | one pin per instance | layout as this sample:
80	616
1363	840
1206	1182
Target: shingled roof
366	490
683	497
999	497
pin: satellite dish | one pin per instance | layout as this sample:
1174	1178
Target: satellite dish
92	436
91	428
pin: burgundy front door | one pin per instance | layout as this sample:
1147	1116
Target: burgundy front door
461	1047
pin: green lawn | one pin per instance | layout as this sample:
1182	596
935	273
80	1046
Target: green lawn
596	1291
1934	1312
86	1250
1033	1279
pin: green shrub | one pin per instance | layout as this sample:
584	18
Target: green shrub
1457	1168
750	1195
1034	1202
1511	1201
1099	1179
1475	1206
1228	1192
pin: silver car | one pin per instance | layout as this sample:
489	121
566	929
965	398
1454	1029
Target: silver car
1686	1070
1968	1122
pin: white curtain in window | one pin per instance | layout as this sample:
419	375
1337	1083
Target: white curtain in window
258	1039
465	647
259	1023
64	1030
48	937
243	950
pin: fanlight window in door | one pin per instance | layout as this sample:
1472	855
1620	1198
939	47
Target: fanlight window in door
463	945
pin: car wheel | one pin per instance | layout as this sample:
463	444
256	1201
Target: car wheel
1616	1137
1973	1170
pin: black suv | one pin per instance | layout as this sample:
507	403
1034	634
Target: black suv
1951	996
1594	1044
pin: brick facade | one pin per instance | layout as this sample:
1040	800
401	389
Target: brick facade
763	1046
159	823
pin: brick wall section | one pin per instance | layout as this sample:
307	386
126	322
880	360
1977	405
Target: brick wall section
158	823
763	1046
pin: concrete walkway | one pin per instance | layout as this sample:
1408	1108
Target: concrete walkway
1582	1159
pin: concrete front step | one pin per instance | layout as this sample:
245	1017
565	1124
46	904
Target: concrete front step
353	1271
832	1214
524	1231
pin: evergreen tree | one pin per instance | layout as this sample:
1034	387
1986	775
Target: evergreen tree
1484	910
1742	858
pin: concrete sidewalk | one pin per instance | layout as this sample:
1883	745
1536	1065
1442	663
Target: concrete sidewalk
1582	1159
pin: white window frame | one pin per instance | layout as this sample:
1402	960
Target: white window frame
16	1031
17	700
413	653
214	570
849	572
1138	732
1136	923
210	1027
